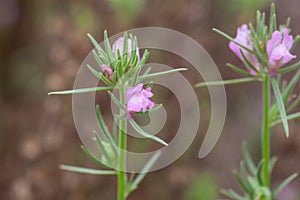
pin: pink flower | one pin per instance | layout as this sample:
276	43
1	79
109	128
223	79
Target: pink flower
278	48
118	45
137	99
243	38
107	71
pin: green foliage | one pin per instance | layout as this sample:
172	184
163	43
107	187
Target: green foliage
251	180
123	72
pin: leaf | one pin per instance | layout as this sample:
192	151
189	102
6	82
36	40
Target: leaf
246	176
272	23
116	132
96	57
115	100
232	39
248	159
241	181
89	154
161	73
99	75
133	49
281	106
230	193
289	89
104	129
81	90
247	62
228	82
97	46
108	50
146	135
259	171
156	107
294	104
87	170
272	163
238	70
289	68
283	184
289	117
144	171
296	40
101	146
125	49
144	58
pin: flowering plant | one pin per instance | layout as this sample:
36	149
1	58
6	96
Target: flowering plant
120	66
264	50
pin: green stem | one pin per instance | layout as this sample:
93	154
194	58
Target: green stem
122	146
265	130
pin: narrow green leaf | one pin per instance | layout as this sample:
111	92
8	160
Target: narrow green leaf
104	129
259	171
245	177
144	58
87	170
97	46
288	22
289	89
108	50
89	154
283	184
247	62
146	135
248	159
136	75
240	180
145	170
296	40
232	39
99	75
289	117
133	49
81	90
116	132
152	75
258	21
238	70
228	82
272	163
115	100
294	104
289	68
272	23
281	106
156	107
125	49
101	146
231	194
98	60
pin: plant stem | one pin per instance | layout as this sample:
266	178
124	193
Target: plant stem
265	130
122	146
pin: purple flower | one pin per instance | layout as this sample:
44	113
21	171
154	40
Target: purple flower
278	48
107	71
137	99
243	38
118	45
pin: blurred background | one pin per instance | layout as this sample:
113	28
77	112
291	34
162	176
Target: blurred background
42	44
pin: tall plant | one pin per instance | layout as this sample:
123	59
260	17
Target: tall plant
264	50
